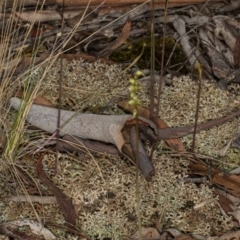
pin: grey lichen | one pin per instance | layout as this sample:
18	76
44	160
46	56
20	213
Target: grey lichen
103	186
88	86
178	106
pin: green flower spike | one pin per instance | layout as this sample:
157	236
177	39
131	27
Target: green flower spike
133	89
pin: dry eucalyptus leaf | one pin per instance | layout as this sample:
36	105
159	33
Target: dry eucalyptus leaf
176	233
236	215
35	227
227	236
120	40
38	100
64	202
185	237
147	233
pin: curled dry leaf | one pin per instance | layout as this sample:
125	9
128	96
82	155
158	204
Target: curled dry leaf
236	215
144	162
147	233
176	233
225	203
227	29
230	183
120	40
227	236
185	237
36	228
232	199
175	144
38	100
65	203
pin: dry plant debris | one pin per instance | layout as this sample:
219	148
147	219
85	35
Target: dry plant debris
102	186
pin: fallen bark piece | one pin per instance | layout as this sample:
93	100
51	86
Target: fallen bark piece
103	128
144	162
30	198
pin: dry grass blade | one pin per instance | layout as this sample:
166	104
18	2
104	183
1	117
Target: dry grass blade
119	41
64	201
105	197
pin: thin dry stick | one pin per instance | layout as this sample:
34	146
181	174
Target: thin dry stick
198	103
152	80
59	96
162	60
137	180
155	116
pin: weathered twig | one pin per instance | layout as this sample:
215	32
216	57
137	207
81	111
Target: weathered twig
183	131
